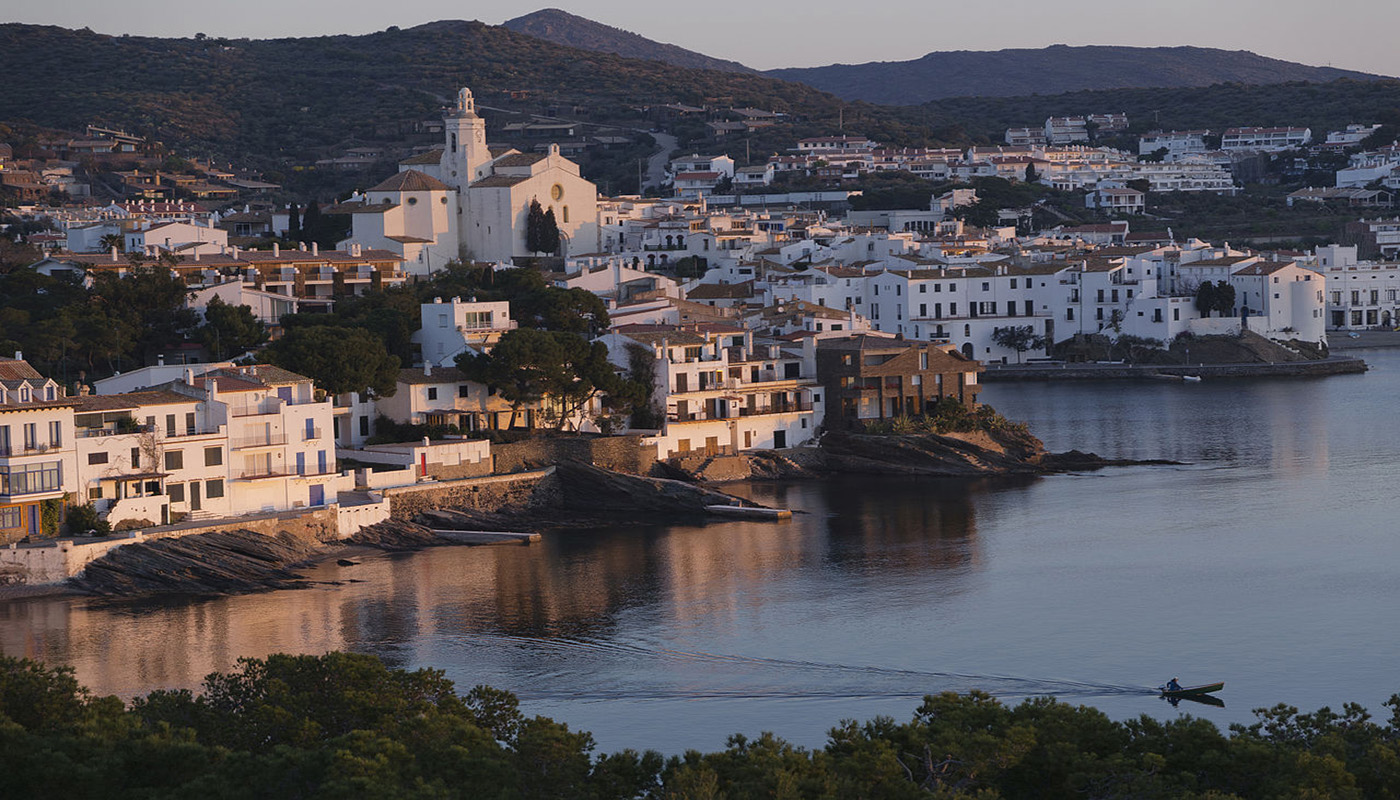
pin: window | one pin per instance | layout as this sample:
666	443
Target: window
136	457
432	393
174	459
463	391
1069	314
213	456
364	425
169	424
95	493
176	491
189	424
31	478
10	517
923	310
1013	283
97	458
213	489
1176	315
31	436
986	286
55	434
923	288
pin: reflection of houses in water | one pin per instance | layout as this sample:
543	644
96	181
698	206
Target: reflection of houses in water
572	585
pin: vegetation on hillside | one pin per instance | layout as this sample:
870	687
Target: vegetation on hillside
1050	70
564	28
343	725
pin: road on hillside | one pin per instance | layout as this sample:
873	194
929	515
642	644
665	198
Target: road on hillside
660	160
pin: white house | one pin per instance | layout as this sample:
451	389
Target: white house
448	329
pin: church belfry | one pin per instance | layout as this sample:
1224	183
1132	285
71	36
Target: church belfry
465	158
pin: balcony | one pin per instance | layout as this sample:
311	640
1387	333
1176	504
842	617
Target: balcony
254	442
270	406
18	451
314	433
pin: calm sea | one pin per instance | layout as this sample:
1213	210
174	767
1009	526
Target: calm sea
1268	561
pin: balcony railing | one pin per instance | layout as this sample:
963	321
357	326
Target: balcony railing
250	442
15	451
314	433
257	409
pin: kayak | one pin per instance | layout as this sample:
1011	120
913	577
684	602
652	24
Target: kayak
1188	691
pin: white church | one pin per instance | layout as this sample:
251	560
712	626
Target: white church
470	202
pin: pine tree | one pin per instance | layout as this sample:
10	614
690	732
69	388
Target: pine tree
293	223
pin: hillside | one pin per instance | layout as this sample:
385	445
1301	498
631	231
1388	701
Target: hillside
296	97
561	27
1051	70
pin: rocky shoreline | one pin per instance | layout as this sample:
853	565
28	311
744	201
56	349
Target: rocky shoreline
575	495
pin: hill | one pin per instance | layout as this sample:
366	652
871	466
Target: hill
571	30
290	98
1051	70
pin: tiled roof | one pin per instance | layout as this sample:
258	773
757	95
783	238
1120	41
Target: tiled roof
13	370
423	159
113	402
520	160
416	376
411	180
499	181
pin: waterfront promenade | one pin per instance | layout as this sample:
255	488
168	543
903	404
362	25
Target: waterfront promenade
1336	365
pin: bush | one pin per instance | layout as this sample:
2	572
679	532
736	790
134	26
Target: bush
85	520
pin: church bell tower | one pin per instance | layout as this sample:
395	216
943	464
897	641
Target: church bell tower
465	158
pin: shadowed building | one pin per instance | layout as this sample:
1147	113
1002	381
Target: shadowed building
880	377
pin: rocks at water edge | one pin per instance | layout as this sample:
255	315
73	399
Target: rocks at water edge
225	562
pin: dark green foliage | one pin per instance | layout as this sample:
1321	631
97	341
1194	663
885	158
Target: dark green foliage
230	330
528	365
549	234
1224	298
84	518
1017	337
1205	298
337	359
345	725
293	223
534	228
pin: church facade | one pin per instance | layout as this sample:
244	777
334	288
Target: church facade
471	201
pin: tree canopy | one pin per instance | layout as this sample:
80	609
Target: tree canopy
527	365
345	725
337	359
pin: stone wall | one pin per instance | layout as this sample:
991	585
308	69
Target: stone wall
487	494
618	453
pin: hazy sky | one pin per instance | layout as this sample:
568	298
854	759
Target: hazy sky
1354	34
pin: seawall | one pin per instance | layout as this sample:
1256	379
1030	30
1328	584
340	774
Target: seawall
1104	372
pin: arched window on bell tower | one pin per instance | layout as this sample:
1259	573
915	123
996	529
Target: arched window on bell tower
454	142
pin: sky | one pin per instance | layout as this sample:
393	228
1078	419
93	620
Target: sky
766	34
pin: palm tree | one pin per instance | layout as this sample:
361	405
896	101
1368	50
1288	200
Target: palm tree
112	240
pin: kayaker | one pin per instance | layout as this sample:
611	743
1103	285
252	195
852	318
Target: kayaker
1173	686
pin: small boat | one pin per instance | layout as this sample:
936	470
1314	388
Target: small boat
1192	691
1191	378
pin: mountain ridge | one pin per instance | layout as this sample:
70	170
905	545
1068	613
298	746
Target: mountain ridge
1052	70
561	27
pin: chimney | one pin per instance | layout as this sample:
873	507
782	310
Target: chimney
427	369
114	253
160	360
315	248
276	250
196	254
19	355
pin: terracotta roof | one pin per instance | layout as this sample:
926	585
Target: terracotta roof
721	291
520	160
113	402
411	180
17	370
416	377
1264	268
423	159
499	181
